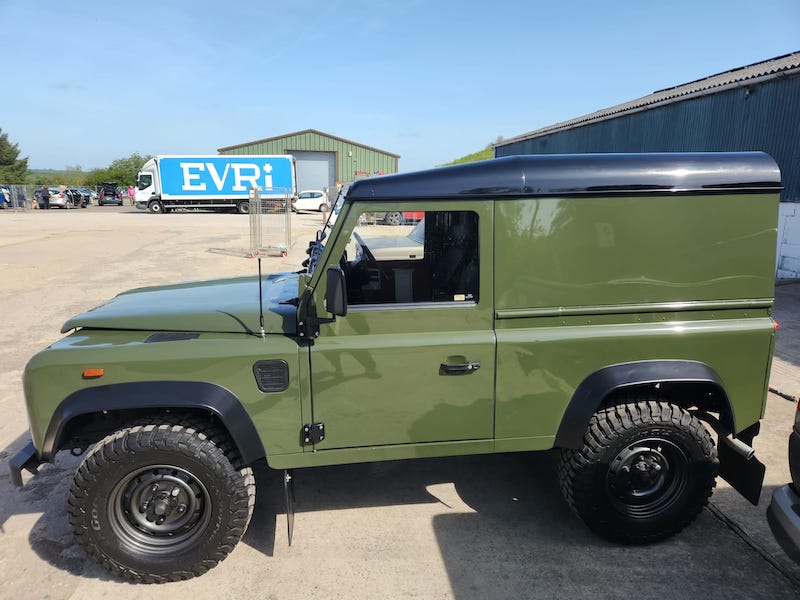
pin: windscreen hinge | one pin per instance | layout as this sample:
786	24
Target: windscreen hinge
313	433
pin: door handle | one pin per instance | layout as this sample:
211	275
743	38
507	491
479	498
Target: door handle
459	369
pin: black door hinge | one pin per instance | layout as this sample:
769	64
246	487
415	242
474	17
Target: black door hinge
313	433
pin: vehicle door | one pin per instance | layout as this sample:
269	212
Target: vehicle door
413	360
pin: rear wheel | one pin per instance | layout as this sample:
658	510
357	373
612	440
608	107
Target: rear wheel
243	208
324	207
645	471
156	503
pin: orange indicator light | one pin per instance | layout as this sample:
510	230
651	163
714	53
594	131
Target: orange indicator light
93	373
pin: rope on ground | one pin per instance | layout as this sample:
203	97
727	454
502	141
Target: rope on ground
783	395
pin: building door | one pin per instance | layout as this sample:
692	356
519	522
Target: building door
315	170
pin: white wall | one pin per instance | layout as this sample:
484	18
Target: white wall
789	241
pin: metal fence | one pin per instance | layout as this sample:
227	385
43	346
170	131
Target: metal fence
270	220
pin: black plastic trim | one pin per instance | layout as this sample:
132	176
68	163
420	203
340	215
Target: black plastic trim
794	459
591	392
161	395
171	336
24	459
581	175
277	372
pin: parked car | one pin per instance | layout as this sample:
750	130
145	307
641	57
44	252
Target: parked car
109	194
76	197
311	200
90	194
783	512
58	198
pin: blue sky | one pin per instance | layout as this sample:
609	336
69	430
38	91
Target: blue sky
89	81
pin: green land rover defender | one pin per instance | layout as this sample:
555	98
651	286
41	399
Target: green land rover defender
616	307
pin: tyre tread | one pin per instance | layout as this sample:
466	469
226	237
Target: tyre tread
607	425
193	437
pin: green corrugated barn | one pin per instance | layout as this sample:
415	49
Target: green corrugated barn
323	160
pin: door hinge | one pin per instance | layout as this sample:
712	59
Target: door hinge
313	433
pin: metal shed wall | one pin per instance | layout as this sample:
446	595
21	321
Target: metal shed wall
759	116
351	158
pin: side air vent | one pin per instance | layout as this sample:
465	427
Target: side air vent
171	336
271	375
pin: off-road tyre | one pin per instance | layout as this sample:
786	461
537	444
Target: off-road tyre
129	480
394	218
645	471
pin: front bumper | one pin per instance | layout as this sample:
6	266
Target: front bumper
27	459
783	513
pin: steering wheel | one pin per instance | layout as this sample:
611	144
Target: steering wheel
367	253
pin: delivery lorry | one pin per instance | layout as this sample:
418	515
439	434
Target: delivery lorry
215	182
614	307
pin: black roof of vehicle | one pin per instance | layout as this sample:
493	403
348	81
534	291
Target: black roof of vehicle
580	174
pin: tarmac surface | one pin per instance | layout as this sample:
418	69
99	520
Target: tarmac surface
485	527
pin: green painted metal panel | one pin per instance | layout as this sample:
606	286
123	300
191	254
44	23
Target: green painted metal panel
350	158
376	371
225	359
607	251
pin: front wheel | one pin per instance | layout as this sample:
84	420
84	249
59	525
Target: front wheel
154	207
157	503
645	471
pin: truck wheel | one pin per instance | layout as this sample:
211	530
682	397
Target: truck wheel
394	218
243	208
156	503
154	207
645	471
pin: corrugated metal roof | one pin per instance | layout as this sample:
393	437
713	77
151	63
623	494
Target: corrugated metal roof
305	131
742	76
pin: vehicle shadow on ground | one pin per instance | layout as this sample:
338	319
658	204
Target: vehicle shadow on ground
502	530
44	495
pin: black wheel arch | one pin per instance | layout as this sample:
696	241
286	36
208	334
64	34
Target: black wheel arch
91	413
683	382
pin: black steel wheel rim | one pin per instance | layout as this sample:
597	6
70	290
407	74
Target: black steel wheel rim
647	478
159	509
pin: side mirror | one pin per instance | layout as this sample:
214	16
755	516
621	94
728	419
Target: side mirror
336	292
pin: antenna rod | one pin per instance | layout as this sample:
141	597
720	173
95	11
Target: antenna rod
260	302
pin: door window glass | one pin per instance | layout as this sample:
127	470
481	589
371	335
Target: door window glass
429	257
145	181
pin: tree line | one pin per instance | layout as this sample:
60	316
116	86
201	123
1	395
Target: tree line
14	170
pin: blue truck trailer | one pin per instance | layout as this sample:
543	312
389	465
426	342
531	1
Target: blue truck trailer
214	182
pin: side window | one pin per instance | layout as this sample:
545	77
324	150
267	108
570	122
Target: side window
431	257
145	181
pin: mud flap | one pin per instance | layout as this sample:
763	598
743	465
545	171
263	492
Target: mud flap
288	488
746	475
